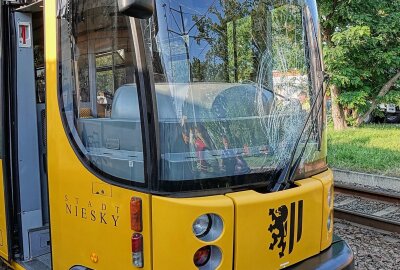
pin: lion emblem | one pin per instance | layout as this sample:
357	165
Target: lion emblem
278	228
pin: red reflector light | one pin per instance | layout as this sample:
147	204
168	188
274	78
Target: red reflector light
137	250
136	214
202	256
137	242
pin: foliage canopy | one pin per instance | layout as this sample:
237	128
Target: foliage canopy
362	49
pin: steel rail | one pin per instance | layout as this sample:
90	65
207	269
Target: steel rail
363	218
378	195
368	220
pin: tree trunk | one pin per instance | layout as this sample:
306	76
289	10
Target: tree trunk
354	114
346	113
339	122
384	90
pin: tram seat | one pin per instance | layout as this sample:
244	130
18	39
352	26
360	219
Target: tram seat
85	113
115	144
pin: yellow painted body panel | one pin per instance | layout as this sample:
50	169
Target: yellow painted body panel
94	230
17	266
253	219
87	228
3	218
174	242
326	179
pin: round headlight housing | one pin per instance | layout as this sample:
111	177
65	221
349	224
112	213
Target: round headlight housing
202	256
207	257
202	225
208	227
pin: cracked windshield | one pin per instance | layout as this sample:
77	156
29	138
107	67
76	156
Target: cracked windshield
234	85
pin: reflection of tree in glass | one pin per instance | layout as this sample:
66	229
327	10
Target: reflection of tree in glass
287	39
240	54
288	58
235	42
83	75
215	33
104	78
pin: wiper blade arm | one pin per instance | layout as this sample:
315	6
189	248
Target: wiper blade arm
287	175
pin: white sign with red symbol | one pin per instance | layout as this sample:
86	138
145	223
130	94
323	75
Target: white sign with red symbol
24	35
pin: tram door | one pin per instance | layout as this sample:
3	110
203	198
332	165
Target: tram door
24	90
33	222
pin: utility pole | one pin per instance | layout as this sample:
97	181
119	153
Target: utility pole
186	39
235	55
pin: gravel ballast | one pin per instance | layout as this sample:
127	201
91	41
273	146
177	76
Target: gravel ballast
373	249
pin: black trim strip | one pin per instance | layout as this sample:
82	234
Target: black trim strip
13	131
148	108
299	220
4	107
292	218
12	166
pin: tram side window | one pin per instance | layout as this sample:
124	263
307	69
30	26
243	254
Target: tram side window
98	88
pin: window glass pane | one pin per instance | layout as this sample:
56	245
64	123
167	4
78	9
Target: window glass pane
99	94
38	54
234	87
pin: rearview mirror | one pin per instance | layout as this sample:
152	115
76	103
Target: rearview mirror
141	9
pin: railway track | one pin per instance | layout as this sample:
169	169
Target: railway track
376	209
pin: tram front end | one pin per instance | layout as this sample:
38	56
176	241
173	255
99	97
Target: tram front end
188	135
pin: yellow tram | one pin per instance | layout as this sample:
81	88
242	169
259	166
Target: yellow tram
166	134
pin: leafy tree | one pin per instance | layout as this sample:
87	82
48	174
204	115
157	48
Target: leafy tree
362	54
215	32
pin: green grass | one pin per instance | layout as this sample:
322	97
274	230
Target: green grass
370	148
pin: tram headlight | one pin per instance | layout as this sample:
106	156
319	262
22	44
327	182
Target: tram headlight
208	227
202	225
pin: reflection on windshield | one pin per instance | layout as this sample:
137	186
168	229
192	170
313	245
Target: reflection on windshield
237	79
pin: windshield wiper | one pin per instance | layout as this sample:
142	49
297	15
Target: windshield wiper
287	175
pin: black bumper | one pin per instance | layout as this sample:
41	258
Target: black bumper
337	257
